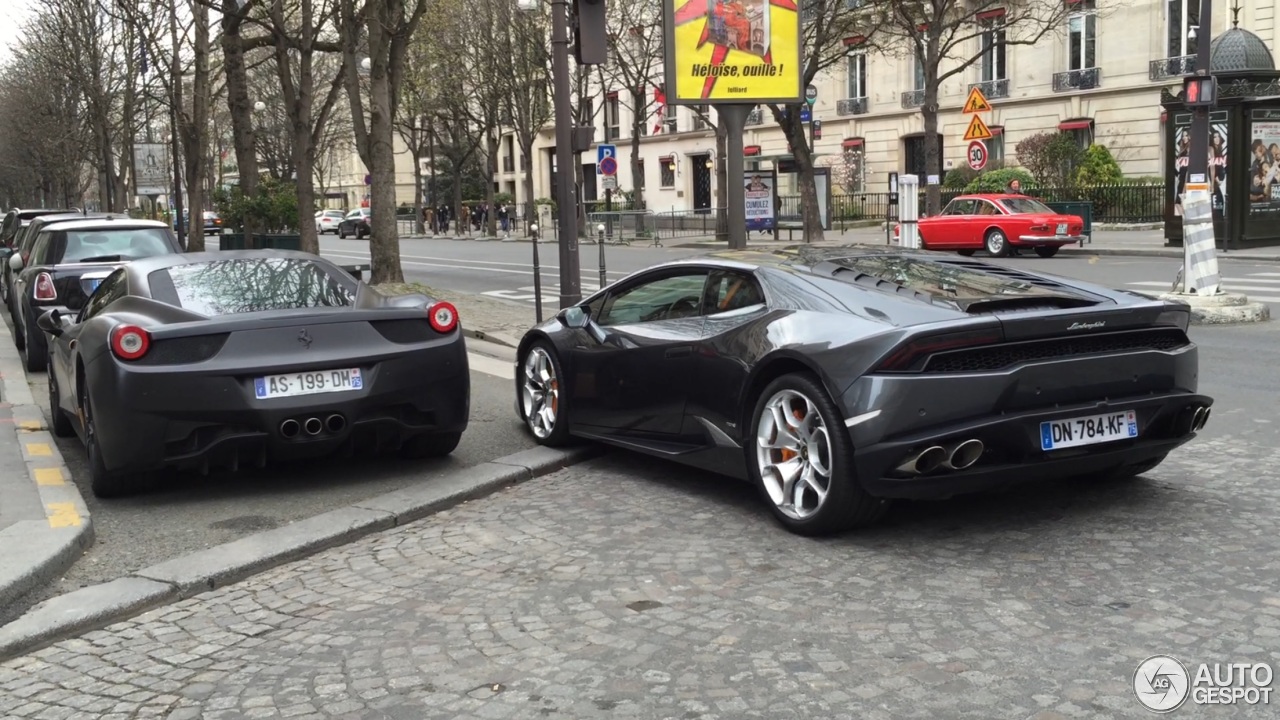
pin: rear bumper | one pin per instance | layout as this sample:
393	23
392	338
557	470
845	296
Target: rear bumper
894	416
1051	239
183	418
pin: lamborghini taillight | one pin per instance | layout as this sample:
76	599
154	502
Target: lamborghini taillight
909	356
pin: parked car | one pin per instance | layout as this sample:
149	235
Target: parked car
328	221
67	262
839	379
22	247
355	223
212	223
232	358
17	218
999	224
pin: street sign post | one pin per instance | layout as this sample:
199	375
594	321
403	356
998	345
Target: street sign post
978	130
977	155
806	115
606	151
811	95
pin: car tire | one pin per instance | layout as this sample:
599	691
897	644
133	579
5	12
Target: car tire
842	504
35	354
1047	251
342	234
59	420
996	244
431	445
966	253
104	483
543	408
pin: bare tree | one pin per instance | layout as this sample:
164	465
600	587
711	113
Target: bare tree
946	37
383	28
45	143
526	86
240	107
635	63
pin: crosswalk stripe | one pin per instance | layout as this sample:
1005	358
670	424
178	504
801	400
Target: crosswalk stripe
491	366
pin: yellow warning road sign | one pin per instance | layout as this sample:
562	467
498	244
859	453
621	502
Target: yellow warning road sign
977	102
978	130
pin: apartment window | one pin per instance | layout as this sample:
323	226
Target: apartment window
995	144
640	166
993	48
611	117
857	75
700	115
918	80
667	172
1082	35
1080	130
1182	18
589	116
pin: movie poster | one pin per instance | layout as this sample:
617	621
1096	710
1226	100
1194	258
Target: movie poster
738	51
760	201
1217	163
1264	161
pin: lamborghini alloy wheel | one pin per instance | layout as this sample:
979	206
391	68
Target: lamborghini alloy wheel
801	458
997	244
541	402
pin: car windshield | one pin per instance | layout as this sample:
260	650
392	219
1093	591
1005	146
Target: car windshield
112	244
248	285
1020	206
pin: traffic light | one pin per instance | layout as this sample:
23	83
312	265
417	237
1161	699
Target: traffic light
591	32
1198	91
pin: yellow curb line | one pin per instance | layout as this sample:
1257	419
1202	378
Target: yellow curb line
63	515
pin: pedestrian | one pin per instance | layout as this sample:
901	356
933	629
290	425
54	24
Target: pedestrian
504	217
1015	187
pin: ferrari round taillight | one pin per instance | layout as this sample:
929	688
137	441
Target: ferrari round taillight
443	317
130	342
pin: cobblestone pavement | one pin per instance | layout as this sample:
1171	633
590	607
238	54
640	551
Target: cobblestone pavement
631	588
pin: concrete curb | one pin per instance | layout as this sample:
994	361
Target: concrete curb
497	338
101	605
39	548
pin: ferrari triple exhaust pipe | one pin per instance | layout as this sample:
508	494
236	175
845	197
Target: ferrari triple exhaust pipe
957	456
313	426
336	423
290	429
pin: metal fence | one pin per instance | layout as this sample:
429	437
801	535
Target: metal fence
1126	203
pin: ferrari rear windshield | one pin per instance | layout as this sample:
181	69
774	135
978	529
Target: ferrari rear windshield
249	285
114	244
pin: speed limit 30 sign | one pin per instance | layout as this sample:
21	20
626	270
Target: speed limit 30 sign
977	155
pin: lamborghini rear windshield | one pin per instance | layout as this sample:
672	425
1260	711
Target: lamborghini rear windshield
249	285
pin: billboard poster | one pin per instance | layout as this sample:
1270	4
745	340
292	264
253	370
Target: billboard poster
1264	161
760	201
151	169
732	51
1217	161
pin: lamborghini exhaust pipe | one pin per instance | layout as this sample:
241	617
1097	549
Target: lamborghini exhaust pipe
313	426
336	423
925	461
290	428
963	455
1199	419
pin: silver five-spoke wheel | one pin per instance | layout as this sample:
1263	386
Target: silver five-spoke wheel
793	452
540	396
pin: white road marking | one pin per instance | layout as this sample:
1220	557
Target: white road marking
491	366
1250	285
528	294
447	263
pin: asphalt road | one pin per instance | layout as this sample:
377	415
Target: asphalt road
196	512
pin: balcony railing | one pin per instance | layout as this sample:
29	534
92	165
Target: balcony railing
851	106
1172	67
992	89
755	117
1086	79
912	98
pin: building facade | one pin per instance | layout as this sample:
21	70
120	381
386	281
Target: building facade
1098	78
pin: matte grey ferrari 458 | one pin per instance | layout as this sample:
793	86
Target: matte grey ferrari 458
838	379
234	358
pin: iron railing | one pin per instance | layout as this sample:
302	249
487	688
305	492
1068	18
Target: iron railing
1173	67
993	89
1086	79
1124	203
912	98
851	106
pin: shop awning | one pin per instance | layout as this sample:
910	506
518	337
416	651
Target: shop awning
751	150
1075	125
852	143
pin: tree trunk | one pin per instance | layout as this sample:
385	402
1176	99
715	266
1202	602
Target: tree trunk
810	212
638	121
458	220
384	241
240	107
195	132
932	153
722	187
530	208
415	150
491	165
175	129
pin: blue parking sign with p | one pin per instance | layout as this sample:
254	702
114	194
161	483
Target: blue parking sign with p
605	151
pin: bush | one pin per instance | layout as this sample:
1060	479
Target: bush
274	208
1051	157
1098	167
998	180
959	178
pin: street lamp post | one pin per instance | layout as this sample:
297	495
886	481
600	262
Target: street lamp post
570	281
1200	262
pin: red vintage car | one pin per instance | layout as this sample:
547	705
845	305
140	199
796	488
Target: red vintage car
999	224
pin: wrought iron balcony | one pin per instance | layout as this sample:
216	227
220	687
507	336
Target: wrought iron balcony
851	106
993	89
912	98
755	117
1086	79
1173	67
